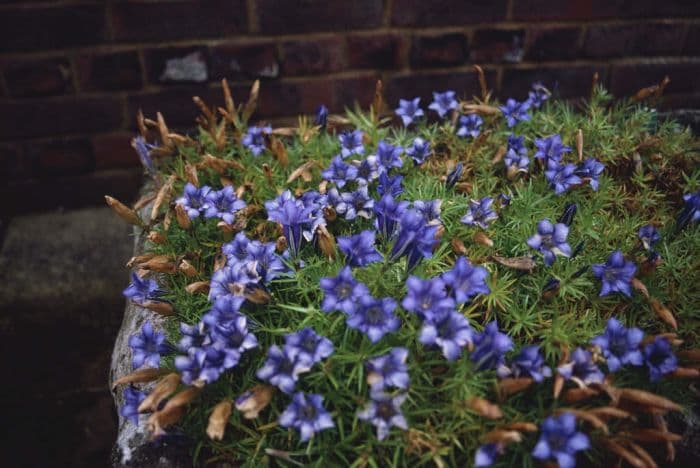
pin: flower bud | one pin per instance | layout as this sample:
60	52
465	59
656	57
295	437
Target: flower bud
483	239
197	287
160	308
187	268
140	376
156	237
281	244
123	211
218	420
252	402
171	412
326	242
182	218
191	174
161	391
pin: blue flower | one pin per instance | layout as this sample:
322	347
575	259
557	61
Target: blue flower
538	95
351	143
550	240
342	292
235	279
206	364
306	414
616	274
550	148
356	203
560	440
388	370
691	210
141	290
374	317
469	125
307	346
649	236
359	249
254	139
233	334
409	110
590	170
659	358
194	200
390	184
443	103
527	363
419	151
567	216
143	149
339	172
368	170
384	411
387	213
388	155
237	249
581	367
449	330
147	346
226	307
620	345
561	176
415	239
321	118
515	163
466	281
427	298
490	347
454	175
267	263
132	401
517	144
515	112
293	216
223	204
480	213
486	455
429	209
281	369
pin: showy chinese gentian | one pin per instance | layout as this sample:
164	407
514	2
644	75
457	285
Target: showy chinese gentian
560	440
368	170
527	363
469	125
620	345
389	156
659	358
581	367
237	249
466	281
374	317
427	298
234	279
389	184
486	455
550	148
321	118
206	364
429	209
538	95
415	239
307	346
589	170
339	172
387	213
281	370
223	204
690	212
359	249
194	200
267	263
443	103
515	162
132	399
517	144
419	150
449	330
550	240
454	175
561	176
351	143
147	346
649	236
141	290
490	347
234	335
384	411
254	139
515	112
616	274
293	216
306	414
388	370
342	292
567	216
409	110
143	149
480	213
356	203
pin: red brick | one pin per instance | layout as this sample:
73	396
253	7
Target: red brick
113	150
244	62
692	40
30	118
51	28
61	157
447	12
12	163
157	63
407	86
498	45
628	79
553	44
439	50
109	72
633	39
379	52
681	101
171	20
682	8
313	57
29	78
348	91
565	81
279	99
295	16
580	9
175	104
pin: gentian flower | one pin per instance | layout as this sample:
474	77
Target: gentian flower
443	103
307	346
254	139
368	170
649	236
237	249
486	455
567	216
466	281
339	172
504	200
429	209
527	363
515	162
384	411
659	358
293	216
550	240
306	414
561	176
419	151
480	213
387	213
589	170
616	274
226	307
374	317
194	200
449	330
409	110
281	369
490	347
415	239
235	279
389	156
469	125
143	149
357	203
194	336
550	148
538	95
234	335
351	143
427	298
691	210
620	345
132	400
342	292
560	440
147	346
581	367
321	118
267	263
515	111
454	175
141	290
517	144
389	184
388	370
207	364
223	204
359	249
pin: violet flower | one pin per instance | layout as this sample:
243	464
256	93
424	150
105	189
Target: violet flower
690	212
449	330
384	411
389	156
351	143
550	148
480	213
237	249
527	363
356	203
307	346
281	370
469	125
550	240
427	298
515	163
561	176
141	290
321	118
419	151
132	400
567	216
443	103
306	414
490	347
374	317
486	455
409	110
339	172
517	144
342	292
234	335
659	358
293	216
223	204
387	213
616	274
454	175
235	279
368	170
590	170
147	346
193	336
143	149
515	112
429	209
538	95
466	281
581	367
620	345
254	139
206	364
649	236
560	440
388	370
390	184
415	239
359	249
268	264
194	200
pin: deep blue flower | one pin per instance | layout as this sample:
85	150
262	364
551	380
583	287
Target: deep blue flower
389	156
293	216
141	290
384	411
339	172
419	151
409	110
469	125
550	240
581	367
321	118
649	236
590	170
143	149
690	212
206	364
620	345
449	330
616	274
443	103
504	200
374	317
390	184
427	298
147	346
356	203
388	212
486	455
527	363
561	176
454	175
490	347
342	292
194	200
281	370
415	239
223	204
515	163
388	370
429	209
560	440
368	170
132	399
359	249
550	148
517	144
235	279
193	336
237	249
226	307
659	358
466	281
254	139
233	334
307	346
567	216
351	143
538	95
306	414
480	213
267	263
515	112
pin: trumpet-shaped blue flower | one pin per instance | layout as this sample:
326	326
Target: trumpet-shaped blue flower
515	112
389	156
527	363
207	364
237	249
388	370
469	125
141	290
419	151
339	172
590	170
223	204
384	411
690	212
649	236
486	455
306	414
560	440
194	200
374	317
321	118
415	239
550	240
538	95
281	369
466	281
233	333
443	103
454	175
267	263
581	367
659	358
449	330
515	162
561	176
620	345
429	209
351	143
409	110
235	279
359	249
616	274
480	213
147	347
307	346
550	148
193	336
356	203
294	216
490	347
254	139
427	298
143	149
390	184
132	399
342	292
368	170
387	213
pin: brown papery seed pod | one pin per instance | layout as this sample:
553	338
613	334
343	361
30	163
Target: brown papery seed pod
485	408
161	308
183	220
156	237
140	376
163	389
197	287
187	268
123	211
218	420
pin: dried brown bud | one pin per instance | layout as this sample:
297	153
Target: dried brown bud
653	436
123	211
579	144
498	157
663	313
326	242
647	399
279	151
172	411
281	244
220	165
267	172
690	354
510	386
329	214
521	427
197	287
187	268
500	436
139	259
685	373
219	261
182	217
218	420
574	395
518	263
160	308
483	239
156	237
191	174
303	171
159	263
140	376
589	417
622	452
639	286
163	196
227	228
254	401
258	296
482	109
161	391
458	246
610	412
485	408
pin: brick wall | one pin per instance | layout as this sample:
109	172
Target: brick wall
73	73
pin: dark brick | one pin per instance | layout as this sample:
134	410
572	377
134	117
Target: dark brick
175	104
553	44
12	163
439	50
692	40
633	39
628	79
173	20
313	57
580	9
422	85
446	12
295	16
109	72
379	52
566	81
61	157
244	62
349	91
682	8
279	99
498	45
48	77
58	116
158	61
51	28
113	150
